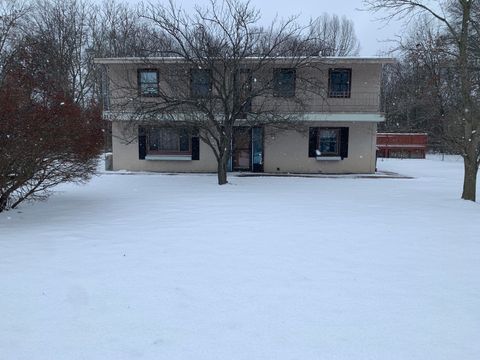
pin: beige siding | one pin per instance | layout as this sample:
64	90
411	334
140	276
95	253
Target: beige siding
174	79
125	155
365	91
285	151
123	84
288	151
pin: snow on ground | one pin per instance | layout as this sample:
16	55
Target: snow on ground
175	267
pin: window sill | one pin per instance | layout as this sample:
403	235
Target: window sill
284	96
169	157
149	95
328	158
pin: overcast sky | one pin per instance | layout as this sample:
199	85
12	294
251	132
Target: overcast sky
371	33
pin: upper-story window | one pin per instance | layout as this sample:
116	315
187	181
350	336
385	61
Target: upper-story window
284	82
200	83
339	83
148	82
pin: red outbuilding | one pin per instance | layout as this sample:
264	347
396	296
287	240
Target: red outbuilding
402	145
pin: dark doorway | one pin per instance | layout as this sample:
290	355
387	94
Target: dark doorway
241	153
247	151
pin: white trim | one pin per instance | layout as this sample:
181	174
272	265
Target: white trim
328	158
394	146
307	117
111	115
402	134
343	117
169	157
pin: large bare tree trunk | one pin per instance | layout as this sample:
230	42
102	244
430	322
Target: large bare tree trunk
470	175
224	154
3	202
470	158
222	169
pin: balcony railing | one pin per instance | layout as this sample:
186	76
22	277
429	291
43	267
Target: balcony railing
358	102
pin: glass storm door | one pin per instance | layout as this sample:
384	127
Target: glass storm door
257	149
247	152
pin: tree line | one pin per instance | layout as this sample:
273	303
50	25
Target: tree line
435	86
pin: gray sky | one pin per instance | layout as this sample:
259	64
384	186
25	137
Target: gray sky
369	31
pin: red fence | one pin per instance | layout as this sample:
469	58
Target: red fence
402	145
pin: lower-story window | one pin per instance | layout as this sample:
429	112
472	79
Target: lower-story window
328	142
168	141
163	143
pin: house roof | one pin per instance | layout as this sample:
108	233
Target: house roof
326	59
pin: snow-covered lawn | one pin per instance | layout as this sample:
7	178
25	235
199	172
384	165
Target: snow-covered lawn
175	267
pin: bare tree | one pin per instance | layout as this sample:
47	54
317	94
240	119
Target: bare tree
335	36
121	31
460	24
12	15
223	46
420	90
63	37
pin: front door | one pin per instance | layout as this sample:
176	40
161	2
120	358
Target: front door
241	154
247	151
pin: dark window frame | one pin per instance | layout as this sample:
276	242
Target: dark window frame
178	132
344	93
338	141
139	83
279	92
197	95
313	142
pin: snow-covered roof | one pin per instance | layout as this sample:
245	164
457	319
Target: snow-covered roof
326	59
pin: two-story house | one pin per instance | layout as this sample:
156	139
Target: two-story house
338	134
